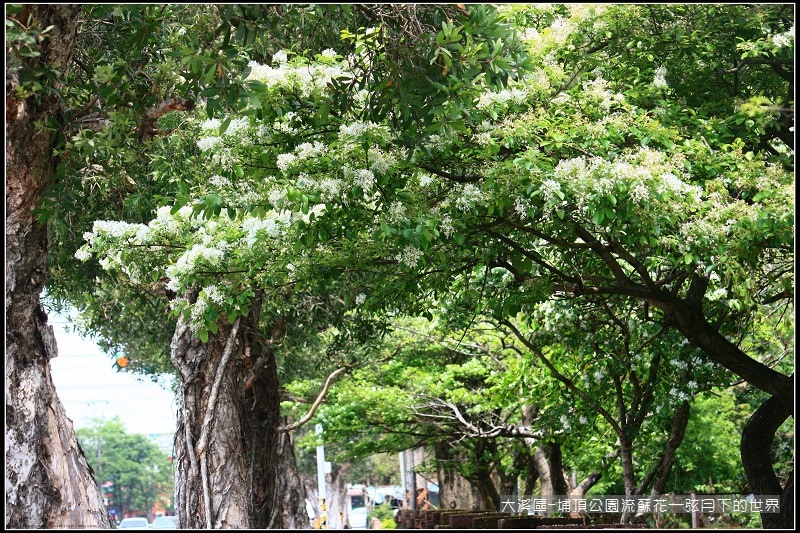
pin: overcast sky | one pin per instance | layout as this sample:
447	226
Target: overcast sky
89	386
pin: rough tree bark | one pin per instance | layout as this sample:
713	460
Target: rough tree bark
48	482
234	467
277	492
291	489
455	492
211	473
756	449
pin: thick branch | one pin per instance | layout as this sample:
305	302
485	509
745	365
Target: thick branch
328	382
148	126
452	177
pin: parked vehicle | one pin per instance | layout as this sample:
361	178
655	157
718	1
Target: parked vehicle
165	522
137	522
357	517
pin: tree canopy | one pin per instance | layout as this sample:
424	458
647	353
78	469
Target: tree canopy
610	187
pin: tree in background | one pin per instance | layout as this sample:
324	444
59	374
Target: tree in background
139	471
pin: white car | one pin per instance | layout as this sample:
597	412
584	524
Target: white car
164	522
138	522
357	518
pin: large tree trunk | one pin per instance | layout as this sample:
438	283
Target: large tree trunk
556	461
291	488
276	489
211	472
455	492
235	468
48	482
756	448
690	321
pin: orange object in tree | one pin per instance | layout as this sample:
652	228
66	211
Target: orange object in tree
122	361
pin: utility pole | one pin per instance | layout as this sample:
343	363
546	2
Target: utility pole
323	508
413	484
403	473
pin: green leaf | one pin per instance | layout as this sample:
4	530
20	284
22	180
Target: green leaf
224	126
203	334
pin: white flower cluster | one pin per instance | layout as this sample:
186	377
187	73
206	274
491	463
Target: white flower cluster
208	143
354	130
287	123
220	182
302	152
502	98
331	188
781	40
363	178
560	30
597	90
446	225
309	150
425	180
83	253
361	298
468	196
434	142
410	256
676	186
549	188
188	261
397	211
483	138
522	206
116	231
211	124
660	78
236	128
280	57
274	226
284	161
214	294
304	79
276	196
381	161
682	365
679	395
198	312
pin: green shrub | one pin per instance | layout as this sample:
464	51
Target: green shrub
385	514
